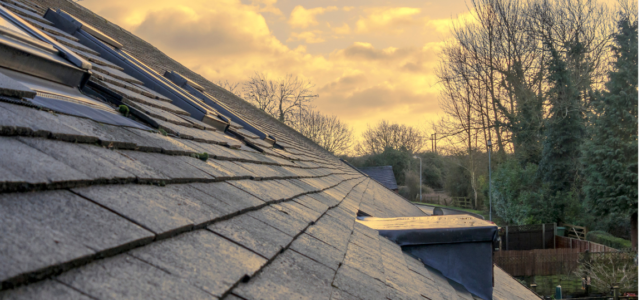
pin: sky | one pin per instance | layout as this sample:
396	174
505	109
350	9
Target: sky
369	60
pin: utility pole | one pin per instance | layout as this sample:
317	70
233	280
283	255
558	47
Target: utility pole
420	170
490	183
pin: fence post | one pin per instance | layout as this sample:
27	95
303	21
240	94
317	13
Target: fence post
554	235
543	236
506	238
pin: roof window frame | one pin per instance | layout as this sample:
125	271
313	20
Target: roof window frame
189	86
32	52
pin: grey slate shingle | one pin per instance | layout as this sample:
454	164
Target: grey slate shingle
205	259
253	234
126	277
290	276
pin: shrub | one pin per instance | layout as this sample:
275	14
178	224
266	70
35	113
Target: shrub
404	192
607	239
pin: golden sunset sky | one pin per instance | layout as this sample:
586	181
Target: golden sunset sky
370	60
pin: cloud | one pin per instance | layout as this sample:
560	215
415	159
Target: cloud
348	8
310	37
387	19
366	51
445	25
267	6
343	30
304	18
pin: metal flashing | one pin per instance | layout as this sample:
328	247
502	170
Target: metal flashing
64	51
89	29
210	100
22	51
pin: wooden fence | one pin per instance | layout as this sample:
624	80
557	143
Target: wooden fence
537	262
463	202
573	231
528	237
560	261
580	245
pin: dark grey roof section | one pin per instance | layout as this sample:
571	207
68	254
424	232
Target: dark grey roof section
383	175
96	210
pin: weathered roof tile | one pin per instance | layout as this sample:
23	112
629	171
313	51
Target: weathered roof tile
35	167
358	284
236	199
48	289
126	277
207	260
289	276
253	234
145	205
318	251
279	220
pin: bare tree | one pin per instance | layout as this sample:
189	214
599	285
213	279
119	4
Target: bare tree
385	134
327	131
493	73
282	98
233	88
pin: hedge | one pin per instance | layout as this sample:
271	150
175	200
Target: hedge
605	238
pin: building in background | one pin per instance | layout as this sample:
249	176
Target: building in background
383	175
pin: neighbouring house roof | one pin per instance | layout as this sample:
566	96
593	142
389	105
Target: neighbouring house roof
383	175
195	195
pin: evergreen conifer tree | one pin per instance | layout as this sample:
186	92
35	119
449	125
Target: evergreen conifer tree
610	154
559	165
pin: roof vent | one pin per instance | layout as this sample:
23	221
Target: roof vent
460	247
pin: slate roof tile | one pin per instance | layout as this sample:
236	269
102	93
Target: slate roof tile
79	219
32	252
367	262
298	211
290	276
84	161
318	251
47	289
21	120
206	260
338	294
173	167
126	277
236	199
252	234
143	173
358	284
312	203
147	206
37	168
279	220
261	189
330	232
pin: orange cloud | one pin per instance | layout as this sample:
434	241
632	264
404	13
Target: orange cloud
343	30
304	18
387	19
310	37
